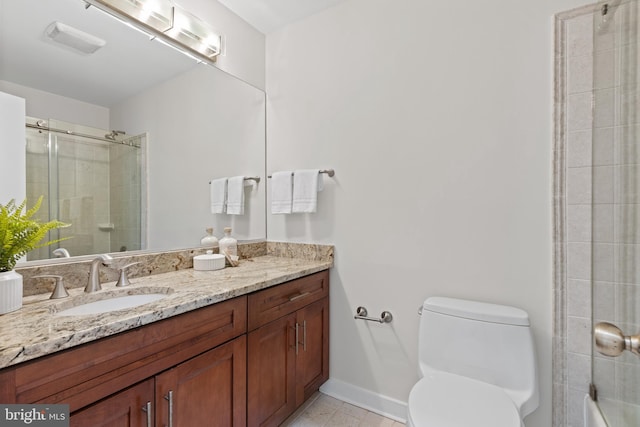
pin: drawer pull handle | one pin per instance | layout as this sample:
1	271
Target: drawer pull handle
147	409
169	397
291	299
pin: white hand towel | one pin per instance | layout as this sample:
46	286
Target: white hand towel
306	184
235	195
218	195
281	192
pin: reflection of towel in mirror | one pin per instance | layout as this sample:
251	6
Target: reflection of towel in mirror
235	195
218	189
306	184
281	192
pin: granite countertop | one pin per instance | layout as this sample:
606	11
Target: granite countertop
36	330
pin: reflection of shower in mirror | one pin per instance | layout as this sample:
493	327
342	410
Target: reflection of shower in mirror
88	177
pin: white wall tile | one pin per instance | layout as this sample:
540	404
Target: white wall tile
579	73
579	371
603	262
579	335
575	411
603	146
627	223
604	72
579	111
578	39
579	148
579	186
604	301
603	184
578	298
579	223
579	260
603	223
627	184
604	108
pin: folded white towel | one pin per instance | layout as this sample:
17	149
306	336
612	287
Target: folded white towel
306	184
281	192
235	195
218	195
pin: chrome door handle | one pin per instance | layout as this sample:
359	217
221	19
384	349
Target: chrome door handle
610	340
297	338
169	397
147	408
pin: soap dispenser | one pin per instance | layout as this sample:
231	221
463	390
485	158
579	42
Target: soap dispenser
228	244
209	241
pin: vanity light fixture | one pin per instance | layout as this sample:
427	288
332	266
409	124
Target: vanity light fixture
167	23
194	34
154	14
74	38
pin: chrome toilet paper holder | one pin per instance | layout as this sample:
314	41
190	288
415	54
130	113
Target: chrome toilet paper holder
363	314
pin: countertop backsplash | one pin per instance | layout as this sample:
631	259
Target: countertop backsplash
76	273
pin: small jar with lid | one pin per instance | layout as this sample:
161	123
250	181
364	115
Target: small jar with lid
209	241
228	244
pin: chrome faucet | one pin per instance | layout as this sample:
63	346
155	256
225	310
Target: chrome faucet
94	273
61	253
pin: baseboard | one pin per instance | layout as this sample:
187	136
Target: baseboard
366	399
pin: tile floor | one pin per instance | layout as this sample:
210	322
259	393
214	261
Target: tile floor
325	411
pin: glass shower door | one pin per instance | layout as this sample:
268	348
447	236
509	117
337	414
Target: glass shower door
616	213
91	179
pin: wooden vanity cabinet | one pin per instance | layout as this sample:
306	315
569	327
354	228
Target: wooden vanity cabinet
287	347
251	360
205	349
207	390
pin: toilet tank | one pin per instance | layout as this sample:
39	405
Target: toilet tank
488	342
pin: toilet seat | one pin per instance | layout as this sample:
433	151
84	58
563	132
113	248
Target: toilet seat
447	400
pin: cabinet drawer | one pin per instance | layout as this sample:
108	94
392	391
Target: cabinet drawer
270	304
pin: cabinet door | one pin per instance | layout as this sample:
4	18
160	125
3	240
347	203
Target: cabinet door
208	390
312	363
124	409
271	371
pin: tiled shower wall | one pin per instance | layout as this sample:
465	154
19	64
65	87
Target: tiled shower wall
126	174
595	202
573	192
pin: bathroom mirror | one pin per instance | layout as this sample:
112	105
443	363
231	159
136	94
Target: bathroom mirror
200	123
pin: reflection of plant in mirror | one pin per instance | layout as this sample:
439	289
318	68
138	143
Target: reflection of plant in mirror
20	233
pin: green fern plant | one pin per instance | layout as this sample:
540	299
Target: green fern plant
21	233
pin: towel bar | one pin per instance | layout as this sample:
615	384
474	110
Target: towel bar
329	172
249	178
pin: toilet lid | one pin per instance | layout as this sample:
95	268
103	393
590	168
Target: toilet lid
448	400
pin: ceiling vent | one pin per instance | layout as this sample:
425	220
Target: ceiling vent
74	38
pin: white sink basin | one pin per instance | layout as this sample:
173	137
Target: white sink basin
111	304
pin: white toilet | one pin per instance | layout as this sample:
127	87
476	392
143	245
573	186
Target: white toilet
477	364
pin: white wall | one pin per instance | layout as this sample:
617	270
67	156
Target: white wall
13	158
202	125
437	117
46	105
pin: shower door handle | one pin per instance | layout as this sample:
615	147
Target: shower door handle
610	340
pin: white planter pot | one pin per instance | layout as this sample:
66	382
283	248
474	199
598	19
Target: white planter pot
10	291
